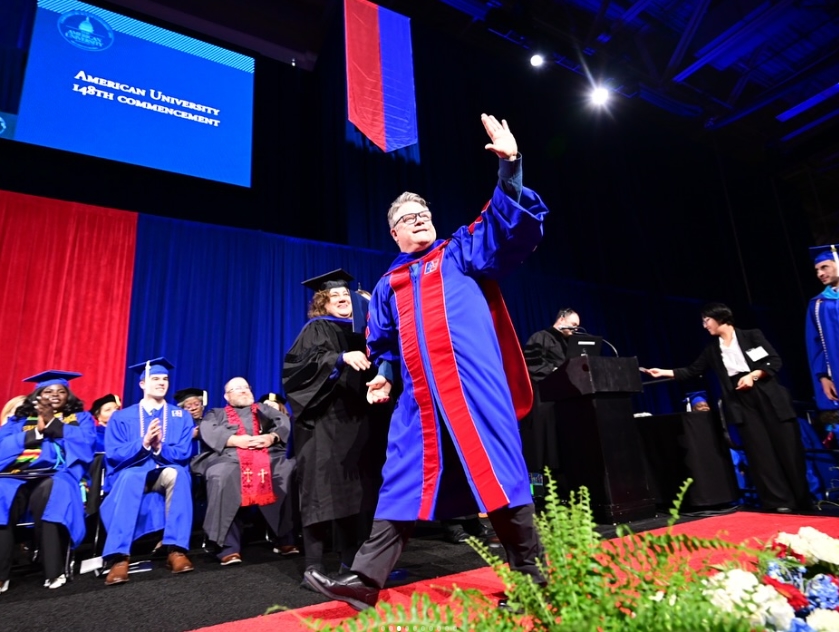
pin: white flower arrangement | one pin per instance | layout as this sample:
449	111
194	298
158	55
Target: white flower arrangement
815	546
739	591
824	620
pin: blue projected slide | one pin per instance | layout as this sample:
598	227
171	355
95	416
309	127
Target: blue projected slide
86	80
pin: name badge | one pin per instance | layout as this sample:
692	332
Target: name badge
757	354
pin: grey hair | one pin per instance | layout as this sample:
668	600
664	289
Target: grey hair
403	198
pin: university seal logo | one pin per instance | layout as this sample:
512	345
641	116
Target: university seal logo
85	30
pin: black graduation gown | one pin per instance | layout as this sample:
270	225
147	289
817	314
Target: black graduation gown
544	352
336	469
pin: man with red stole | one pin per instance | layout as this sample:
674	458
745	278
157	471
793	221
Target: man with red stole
245	466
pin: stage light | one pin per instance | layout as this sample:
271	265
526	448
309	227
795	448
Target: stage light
537	60
599	96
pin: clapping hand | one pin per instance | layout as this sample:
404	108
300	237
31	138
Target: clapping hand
153	435
503	142
45	412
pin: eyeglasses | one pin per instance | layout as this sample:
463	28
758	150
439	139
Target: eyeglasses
238	389
411	218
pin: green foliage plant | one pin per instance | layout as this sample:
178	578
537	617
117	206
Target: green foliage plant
650	582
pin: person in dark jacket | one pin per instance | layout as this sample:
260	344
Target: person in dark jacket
747	366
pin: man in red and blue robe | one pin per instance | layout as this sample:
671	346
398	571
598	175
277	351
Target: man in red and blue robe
454	445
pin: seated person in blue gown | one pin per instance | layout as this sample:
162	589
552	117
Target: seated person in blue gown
147	450
101	410
45	449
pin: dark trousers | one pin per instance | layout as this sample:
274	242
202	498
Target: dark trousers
51	538
345	540
233	540
513	526
775	453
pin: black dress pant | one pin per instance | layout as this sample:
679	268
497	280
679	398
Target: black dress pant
345	538
775	452
513	526
51	538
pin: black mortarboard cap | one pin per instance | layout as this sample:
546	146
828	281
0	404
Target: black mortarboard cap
105	399
330	280
272	397
185	393
51	377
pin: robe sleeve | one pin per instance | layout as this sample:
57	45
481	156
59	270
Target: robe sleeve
815	348
502	237
382	330
215	431
308	366
177	449
278	422
123	444
11	443
540	356
78	442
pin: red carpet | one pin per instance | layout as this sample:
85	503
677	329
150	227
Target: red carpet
737	527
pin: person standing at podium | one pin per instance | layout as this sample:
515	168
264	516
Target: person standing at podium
746	366
544	352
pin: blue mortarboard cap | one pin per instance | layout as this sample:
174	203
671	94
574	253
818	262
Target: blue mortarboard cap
157	366
49	378
697	397
824	253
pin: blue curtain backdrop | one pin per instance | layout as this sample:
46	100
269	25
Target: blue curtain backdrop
222	302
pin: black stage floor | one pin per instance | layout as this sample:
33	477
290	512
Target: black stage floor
159	601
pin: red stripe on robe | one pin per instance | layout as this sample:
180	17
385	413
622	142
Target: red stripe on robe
449	386
400	281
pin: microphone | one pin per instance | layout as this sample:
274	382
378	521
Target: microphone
567	327
583	330
617	355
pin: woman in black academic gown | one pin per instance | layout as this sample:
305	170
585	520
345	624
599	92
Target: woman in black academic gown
746	366
324	377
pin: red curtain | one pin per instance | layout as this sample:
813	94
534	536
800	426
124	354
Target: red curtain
65	279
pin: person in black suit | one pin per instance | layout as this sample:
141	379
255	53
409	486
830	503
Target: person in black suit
746	366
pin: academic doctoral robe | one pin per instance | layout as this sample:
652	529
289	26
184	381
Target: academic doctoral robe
822	338
68	456
336	455
220	467
544	352
128	512
438	314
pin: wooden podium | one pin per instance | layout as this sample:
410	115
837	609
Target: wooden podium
599	440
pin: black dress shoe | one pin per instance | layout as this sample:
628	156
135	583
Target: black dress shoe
783	510
504	604
348	588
